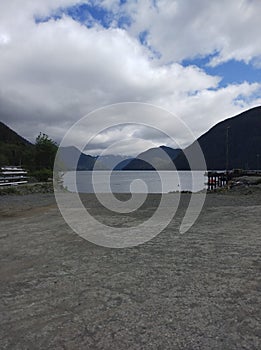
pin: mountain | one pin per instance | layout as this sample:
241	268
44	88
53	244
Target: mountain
14	149
123	164
236	141
9	136
111	161
233	143
157	157
68	155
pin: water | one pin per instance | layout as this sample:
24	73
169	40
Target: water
133	181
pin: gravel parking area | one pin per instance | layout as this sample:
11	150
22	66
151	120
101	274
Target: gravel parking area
200	290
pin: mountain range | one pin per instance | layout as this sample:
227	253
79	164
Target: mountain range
67	156
232	143
154	158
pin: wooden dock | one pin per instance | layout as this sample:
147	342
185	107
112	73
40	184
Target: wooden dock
219	179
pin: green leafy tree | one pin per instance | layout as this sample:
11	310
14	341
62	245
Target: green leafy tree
45	151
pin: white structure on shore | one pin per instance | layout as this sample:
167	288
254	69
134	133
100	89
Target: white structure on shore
12	176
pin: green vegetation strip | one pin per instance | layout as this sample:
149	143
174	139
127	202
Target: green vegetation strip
44	187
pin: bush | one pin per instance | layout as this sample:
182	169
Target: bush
258	181
7	190
42	175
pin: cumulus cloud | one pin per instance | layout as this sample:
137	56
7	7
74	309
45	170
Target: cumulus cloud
56	71
181	29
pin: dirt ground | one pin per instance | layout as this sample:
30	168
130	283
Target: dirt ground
199	290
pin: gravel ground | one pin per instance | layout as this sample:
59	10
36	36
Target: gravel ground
200	290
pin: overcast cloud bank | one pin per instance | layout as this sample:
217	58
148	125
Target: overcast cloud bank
58	62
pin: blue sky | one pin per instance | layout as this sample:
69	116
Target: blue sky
62	59
231	72
88	14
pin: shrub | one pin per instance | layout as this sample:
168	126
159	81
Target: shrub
42	175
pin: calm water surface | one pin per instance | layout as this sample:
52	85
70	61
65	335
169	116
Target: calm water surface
134	181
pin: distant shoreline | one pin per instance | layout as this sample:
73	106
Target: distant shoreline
242	185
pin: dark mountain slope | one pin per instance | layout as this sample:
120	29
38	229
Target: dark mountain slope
239	137
153	156
14	149
9	136
123	164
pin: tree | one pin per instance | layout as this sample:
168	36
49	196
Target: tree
45	151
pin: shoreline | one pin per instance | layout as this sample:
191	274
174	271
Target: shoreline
31	198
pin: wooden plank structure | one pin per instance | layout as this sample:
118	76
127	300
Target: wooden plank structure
217	179
12	176
220	179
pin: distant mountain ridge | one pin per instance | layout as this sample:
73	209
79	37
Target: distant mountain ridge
235	141
111	161
68	155
153	158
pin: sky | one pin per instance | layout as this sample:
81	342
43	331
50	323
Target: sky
62	59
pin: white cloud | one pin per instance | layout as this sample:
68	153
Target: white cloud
181	29
55	72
